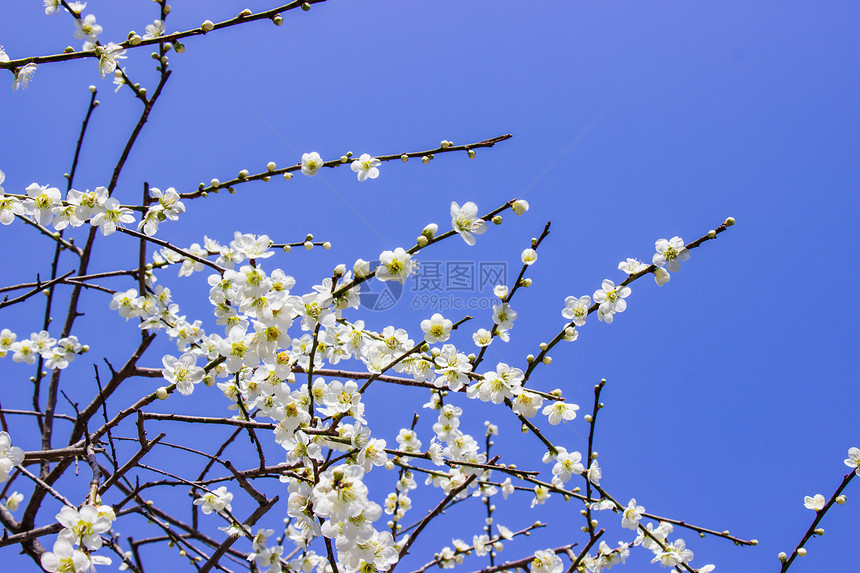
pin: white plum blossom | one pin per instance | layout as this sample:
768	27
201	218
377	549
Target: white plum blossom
13	500
252	247
594	473
815	503
311	163
566	466
10	456
216	501
576	309
395	265
465	221
87	29
632	266
559	412
546	561
42	201
65	559
611	300
504	316
183	372
88	203
83	526
541	495
631	515
853	460
108	60
23	75
674	554
366	167
526	403
154	30
482	337
112	217
437	328
670	253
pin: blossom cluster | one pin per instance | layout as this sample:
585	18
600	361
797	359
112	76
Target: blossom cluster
43	204
81	535
56	353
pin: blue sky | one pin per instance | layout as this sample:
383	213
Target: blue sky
731	391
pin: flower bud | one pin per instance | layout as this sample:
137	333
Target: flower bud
178	47
497	220
588	418
520	206
326	245
471	153
712	234
215	183
547	360
306	6
530	358
207	26
361	268
244	13
528	256
430	230
782	556
841	499
243	174
277	19
801	551
68	50
819	531
425	160
308	245
92	89
422	241
134	40
404	158
287	248
288	176
161	393
526	282
340	270
730	221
